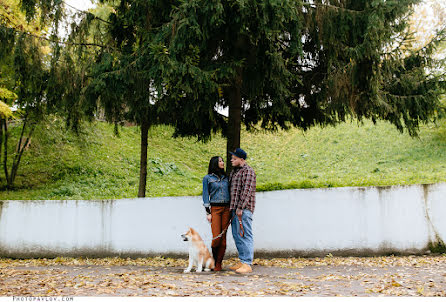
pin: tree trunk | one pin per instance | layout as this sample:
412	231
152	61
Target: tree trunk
143	160
5	154
1	137
21	148
234	118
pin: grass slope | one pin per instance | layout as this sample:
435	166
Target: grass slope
99	165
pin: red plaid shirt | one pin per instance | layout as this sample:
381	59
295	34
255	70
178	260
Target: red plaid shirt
243	188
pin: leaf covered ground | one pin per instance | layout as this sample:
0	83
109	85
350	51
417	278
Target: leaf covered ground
329	276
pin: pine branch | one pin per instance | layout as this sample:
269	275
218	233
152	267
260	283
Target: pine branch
56	40
401	42
315	5
403	96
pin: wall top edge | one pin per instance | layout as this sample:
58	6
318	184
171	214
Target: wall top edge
341	189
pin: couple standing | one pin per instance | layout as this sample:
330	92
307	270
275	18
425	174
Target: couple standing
234	197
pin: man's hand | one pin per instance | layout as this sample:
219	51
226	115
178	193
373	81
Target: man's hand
239	213
209	217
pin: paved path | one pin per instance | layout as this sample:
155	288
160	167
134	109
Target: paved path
330	276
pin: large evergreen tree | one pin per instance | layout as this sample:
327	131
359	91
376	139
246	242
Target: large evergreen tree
282	63
235	54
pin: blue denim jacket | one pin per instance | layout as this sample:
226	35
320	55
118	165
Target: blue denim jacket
215	190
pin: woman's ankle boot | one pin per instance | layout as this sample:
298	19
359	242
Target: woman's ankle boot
215	256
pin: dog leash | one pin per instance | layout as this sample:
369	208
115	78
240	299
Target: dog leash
224	231
242	230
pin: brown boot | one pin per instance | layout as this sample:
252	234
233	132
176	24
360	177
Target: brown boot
244	269
220	255
215	256
217	267
236	267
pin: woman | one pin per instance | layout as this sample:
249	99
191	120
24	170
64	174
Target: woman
216	203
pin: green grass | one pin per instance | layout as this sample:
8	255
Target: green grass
99	165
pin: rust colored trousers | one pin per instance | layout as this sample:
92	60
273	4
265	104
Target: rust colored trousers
220	221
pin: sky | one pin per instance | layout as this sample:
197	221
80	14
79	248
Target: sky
80	4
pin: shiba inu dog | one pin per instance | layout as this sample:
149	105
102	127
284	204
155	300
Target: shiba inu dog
198	253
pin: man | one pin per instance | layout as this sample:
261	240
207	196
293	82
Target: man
243	189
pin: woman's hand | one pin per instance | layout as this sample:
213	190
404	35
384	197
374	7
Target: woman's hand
209	217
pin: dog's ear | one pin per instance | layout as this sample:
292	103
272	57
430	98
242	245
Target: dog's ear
192	231
188	231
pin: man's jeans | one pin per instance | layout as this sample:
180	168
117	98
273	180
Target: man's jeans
245	244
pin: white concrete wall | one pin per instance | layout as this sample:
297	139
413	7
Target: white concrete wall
349	221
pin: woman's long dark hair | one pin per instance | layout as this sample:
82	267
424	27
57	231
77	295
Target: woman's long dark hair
213	167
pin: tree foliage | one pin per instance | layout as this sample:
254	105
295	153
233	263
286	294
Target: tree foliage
273	63
5	111
23	81
365	67
217	53
282	63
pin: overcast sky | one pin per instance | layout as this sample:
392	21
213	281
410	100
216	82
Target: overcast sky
80	4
